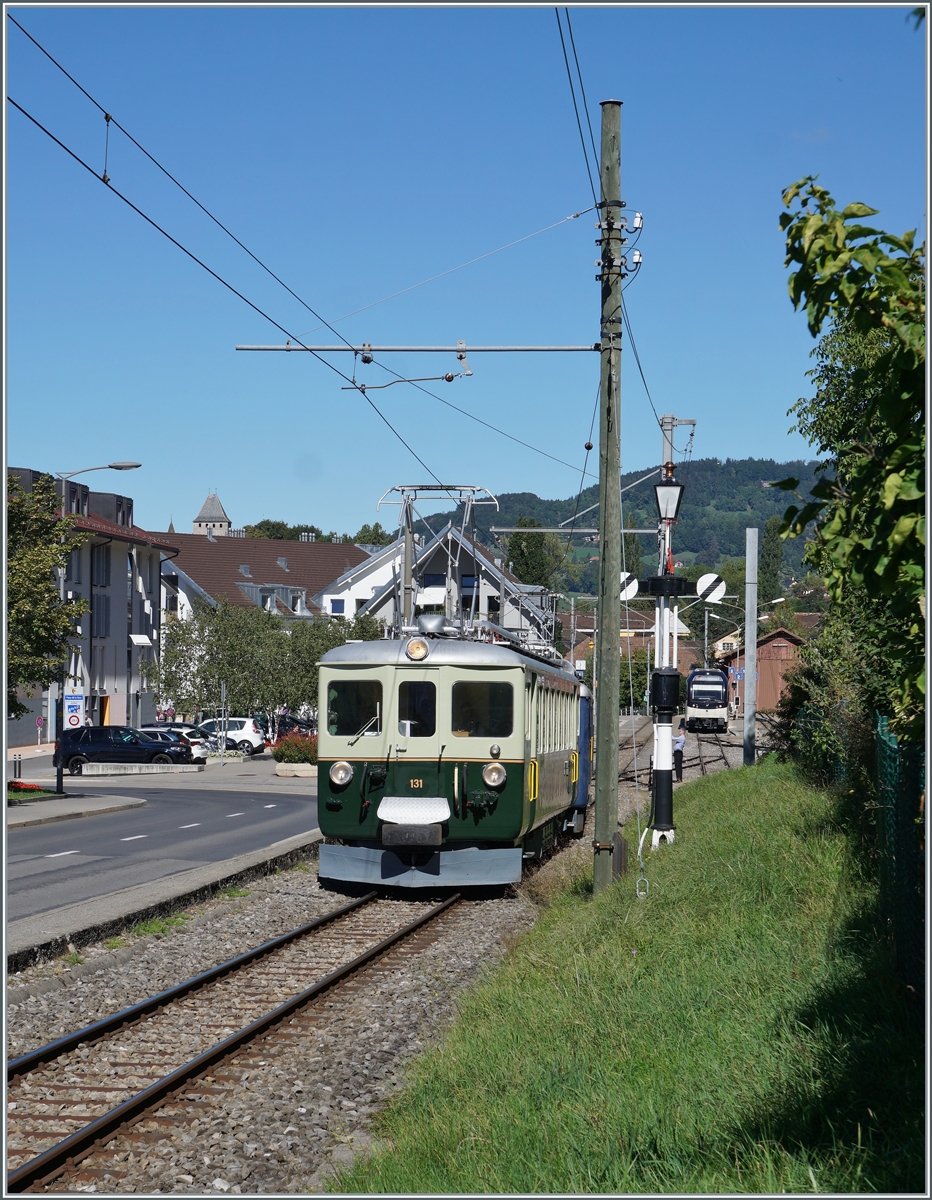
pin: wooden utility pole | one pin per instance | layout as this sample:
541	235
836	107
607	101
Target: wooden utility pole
608	653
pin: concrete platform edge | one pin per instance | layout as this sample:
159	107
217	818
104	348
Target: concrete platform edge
46	936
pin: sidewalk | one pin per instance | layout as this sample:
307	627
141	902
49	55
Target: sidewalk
46	935
41	812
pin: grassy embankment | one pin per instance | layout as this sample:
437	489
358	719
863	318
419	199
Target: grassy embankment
737	1031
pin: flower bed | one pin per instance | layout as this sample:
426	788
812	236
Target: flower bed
17	785
296	748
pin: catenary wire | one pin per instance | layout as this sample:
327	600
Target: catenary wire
219	279
569	76
323	323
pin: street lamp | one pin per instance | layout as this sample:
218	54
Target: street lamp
60	706
669	493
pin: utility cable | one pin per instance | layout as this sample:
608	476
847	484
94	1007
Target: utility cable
220	279
450	271
108	117
323	323
637	358
582	89
569	76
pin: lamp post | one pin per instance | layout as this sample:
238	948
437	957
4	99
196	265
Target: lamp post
64	476
665	679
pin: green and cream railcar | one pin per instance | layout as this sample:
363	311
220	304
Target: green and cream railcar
442	761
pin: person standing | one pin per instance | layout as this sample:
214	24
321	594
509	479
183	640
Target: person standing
679	745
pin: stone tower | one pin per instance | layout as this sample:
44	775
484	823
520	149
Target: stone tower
212	520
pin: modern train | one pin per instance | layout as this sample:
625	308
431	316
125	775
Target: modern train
446	760
706	701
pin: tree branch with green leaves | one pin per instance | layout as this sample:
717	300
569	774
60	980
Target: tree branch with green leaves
871	515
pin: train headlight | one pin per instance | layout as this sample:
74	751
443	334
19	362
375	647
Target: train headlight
340	774
417	649
493	775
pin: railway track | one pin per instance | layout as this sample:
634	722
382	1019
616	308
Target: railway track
142	1071
704	763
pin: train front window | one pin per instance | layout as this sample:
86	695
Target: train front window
483	709
354	707
709	695
417	708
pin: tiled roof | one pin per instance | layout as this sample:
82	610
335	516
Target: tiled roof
309	566
124	533
212	510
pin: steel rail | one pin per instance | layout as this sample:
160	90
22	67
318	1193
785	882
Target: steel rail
48	1164
46	1054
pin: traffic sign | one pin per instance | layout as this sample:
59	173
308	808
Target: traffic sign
74	711
38	722
629	585
710	588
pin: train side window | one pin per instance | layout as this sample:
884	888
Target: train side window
483	709
354	706
417	708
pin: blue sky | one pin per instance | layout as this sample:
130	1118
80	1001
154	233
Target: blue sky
360	150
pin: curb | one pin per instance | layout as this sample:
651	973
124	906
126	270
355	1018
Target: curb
296	770
127	907
91	812
140	768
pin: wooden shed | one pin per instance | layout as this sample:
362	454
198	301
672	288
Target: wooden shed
777	651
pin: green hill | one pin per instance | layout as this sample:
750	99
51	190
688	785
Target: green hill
721	500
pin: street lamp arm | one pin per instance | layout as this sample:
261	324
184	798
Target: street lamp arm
114	466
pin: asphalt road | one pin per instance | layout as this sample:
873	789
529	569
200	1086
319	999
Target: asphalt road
66	862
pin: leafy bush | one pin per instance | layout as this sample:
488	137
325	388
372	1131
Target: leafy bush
296	748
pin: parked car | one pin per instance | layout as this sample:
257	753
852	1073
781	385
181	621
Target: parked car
246	733
288	725
170	734
114	744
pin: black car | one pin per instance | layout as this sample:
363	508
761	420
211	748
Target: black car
114	744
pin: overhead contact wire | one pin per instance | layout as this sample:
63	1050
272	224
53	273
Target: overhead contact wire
569	76
323	323
220	279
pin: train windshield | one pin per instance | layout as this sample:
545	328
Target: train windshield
354	707
417	708
712	689
483	709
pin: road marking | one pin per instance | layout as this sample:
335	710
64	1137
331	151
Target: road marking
236	814
134	838
61	853
194	826
271	806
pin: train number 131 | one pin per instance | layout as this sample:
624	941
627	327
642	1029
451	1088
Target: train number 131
417	783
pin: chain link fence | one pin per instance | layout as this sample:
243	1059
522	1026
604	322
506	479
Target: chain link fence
900	782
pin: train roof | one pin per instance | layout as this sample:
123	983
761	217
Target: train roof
452	652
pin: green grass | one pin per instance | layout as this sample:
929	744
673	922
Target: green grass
234	893
113	943
737	1031
159	926
19	796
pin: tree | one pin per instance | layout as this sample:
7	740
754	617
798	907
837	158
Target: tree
282	531
632	678
39	623
771	562
631	549
534	556
871	515
373	535
268	664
